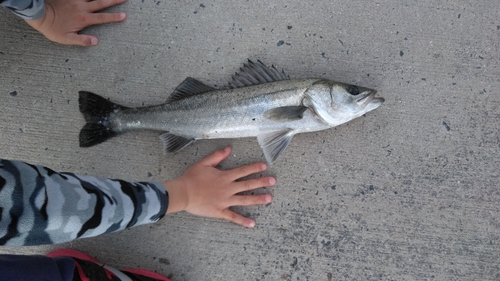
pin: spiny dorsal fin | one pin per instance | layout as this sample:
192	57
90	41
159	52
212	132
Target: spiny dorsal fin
286	113
256	73
273	143
189	87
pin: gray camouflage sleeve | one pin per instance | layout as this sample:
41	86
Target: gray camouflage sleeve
39	206
26	9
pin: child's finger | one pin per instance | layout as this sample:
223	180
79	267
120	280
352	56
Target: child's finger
246	170
237	219
215	158
249	200
97	5
252	184
80	39
100	18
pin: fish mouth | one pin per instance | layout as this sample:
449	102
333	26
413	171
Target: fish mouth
368	100
367	97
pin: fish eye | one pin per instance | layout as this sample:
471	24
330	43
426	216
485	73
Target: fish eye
353	90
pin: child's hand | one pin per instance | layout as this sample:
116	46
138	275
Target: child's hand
206	191
63	20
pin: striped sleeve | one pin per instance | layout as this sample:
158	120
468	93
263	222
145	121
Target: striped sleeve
26	9
40	206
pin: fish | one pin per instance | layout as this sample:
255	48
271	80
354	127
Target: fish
260	102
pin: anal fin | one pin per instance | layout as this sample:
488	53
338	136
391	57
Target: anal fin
273	143
173	143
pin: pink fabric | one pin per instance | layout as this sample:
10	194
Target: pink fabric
83	256
65	252
146	273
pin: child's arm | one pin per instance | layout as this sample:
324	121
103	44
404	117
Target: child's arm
41	206
61	20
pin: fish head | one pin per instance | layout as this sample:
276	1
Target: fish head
336	103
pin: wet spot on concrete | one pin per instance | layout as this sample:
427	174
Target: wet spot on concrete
164	261
446	126
333	187
401	53
281	42
202	6
13	93
149	174
289	27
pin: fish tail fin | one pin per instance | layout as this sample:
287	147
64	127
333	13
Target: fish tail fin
96	111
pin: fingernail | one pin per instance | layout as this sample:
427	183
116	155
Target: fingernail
263	167
269	198
93	41
251	224
272	181
227	148
122	16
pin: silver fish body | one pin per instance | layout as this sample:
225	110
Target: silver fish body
263	104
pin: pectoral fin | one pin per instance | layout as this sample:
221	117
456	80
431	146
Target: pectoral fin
285	113
173	143
274	143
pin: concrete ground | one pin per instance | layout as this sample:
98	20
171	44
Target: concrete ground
409	192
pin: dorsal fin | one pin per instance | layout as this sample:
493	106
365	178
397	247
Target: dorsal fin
189	87
256	73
